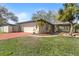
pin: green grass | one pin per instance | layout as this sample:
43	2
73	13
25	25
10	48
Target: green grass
30	46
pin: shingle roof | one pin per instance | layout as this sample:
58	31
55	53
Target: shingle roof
52	22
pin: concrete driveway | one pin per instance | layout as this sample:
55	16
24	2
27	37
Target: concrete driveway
13	35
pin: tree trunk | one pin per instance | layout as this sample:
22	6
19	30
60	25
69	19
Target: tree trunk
71	29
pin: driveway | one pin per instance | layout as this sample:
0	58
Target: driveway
13	35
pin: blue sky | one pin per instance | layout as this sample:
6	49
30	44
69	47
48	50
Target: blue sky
25	10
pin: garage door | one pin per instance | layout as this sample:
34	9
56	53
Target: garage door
28	29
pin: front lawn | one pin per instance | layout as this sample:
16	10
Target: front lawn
51	46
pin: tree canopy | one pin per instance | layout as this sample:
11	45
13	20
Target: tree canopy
45	15
5	15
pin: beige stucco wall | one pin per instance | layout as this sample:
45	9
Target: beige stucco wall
6	28
10	29
29	27
36	29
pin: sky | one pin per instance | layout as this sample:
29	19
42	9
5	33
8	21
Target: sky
24	11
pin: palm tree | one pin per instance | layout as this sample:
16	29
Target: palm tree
68	14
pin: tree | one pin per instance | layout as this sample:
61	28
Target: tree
68	14
50	16
43	15
39	16
5	15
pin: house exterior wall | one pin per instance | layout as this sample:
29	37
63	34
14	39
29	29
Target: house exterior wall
62	28
37	29
4	29
32	28
10	28
15	29
47	28
29	27
1	29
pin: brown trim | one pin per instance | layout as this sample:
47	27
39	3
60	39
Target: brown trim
35	21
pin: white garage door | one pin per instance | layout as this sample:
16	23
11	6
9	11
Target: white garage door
28	29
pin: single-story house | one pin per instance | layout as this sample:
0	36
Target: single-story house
48	27
32	27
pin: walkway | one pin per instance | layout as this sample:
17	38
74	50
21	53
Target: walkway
43	35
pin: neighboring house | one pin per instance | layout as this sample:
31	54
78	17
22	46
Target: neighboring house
31	27
8	28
